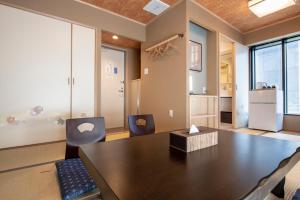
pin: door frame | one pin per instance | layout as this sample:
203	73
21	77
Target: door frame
111	47
233	96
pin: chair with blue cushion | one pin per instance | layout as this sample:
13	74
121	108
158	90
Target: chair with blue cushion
141	125
297	195
74	180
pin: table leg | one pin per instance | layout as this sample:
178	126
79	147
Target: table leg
278	191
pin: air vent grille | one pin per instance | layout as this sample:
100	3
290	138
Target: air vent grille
156	7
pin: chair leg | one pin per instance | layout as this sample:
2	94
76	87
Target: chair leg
278	191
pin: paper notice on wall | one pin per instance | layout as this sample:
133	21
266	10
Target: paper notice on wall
109	70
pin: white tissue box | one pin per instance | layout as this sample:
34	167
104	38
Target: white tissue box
186	142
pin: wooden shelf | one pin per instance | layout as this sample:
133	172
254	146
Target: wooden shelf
204	110
225	83
203	116
204	95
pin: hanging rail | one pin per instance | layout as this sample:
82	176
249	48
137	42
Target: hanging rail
165	41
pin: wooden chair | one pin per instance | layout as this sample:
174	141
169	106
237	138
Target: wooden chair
141	125
83	131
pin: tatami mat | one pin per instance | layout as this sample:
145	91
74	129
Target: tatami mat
36	183
249	131
41	182
34	155
31	155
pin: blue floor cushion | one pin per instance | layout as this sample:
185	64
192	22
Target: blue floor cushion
297	195
74	179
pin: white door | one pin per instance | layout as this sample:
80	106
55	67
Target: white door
241	80
112	87
83	66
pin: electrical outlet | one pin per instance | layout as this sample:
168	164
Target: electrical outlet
146	71
171	113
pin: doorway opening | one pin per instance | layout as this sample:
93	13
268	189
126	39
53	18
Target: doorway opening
226	76
120	67
112	87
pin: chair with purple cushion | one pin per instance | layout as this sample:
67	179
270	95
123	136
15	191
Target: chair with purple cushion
141	125
83	131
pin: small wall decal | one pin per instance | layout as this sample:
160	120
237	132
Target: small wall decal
60	121
109	70
11	120
37	110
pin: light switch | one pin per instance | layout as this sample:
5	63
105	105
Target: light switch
146	71
204	91
171	113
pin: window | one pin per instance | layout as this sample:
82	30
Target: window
278	63
293	76
268	64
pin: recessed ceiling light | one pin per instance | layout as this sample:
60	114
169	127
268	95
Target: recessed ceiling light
264	7
115	37
156	7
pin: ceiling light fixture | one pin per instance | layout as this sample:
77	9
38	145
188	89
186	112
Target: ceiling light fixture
265	7
115	37
156	7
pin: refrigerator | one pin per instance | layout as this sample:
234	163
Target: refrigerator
266	109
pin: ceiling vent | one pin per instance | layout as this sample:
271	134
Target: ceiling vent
156	7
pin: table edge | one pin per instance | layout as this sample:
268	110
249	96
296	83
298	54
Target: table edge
105	191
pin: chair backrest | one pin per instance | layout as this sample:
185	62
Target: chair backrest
141	125
83	131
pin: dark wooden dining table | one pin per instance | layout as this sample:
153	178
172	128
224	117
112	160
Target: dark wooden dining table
241	166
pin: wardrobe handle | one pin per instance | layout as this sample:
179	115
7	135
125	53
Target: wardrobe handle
68	81
73	81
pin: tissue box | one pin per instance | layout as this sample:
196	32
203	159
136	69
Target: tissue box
186	142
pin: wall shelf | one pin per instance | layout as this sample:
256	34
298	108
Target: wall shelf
204	110
202	116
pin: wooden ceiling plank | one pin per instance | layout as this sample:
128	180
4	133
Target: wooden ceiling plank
235	12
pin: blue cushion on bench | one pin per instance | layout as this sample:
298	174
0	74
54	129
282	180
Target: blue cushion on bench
297	195
74	179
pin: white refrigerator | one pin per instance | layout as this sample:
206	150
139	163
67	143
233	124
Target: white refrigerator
266	109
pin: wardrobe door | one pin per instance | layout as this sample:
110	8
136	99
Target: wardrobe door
35	60
83	66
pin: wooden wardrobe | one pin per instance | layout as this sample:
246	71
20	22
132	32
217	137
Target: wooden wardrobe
46	76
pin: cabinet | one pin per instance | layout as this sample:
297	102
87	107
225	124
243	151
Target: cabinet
83	67
45	75
266	109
